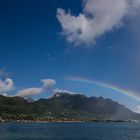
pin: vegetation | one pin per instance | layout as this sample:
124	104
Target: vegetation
64	107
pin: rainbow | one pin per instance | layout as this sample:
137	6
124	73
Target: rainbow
128	93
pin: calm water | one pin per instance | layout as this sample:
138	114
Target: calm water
70	131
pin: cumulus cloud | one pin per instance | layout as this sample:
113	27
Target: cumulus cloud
4	94
47	86
97	18
29	92
48	83
6	86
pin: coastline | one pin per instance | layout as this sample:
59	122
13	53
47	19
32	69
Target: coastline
69	121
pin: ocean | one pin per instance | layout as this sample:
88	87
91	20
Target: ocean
70	131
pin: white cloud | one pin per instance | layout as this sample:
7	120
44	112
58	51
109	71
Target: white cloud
48	86
48	83
4	94
6	85
29	92
97	18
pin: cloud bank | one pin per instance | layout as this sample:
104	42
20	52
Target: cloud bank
29	92
97	18
7	86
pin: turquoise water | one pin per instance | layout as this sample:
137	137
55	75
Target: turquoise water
69	131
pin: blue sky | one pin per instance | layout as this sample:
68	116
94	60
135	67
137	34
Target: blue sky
33	48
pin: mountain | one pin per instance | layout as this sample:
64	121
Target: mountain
64	106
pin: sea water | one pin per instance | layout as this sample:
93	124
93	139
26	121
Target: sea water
69	131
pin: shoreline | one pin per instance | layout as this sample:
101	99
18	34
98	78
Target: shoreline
60	121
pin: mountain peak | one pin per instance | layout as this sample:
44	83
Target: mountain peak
73	105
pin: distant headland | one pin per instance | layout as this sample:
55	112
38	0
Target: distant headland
64	107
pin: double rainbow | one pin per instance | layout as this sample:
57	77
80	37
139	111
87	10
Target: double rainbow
128	93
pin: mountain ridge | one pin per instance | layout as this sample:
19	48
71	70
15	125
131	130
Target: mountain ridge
66	106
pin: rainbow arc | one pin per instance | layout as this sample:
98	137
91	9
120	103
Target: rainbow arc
128	93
